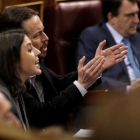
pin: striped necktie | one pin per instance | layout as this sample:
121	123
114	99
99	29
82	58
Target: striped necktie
131	58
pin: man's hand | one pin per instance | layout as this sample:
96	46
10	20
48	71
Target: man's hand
135	86
112	54
88	74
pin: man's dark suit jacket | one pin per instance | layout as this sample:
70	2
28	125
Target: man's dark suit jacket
115	78
61	97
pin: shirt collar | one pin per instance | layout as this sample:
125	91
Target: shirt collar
32	79
117	36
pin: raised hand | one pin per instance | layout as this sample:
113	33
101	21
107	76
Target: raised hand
88	74
112	54
135	86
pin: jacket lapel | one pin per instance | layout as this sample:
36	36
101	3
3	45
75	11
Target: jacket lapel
136	47
31	90
47	82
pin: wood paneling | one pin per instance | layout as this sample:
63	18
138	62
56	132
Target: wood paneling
38	6
4	3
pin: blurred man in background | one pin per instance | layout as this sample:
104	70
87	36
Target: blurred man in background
120	24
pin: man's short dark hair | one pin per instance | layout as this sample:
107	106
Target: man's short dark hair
112	6
13	17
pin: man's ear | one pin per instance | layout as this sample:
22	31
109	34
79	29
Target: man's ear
111	18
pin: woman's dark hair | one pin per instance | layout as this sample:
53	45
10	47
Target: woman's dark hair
112	6
10	48
13	17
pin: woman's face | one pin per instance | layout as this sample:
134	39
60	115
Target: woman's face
29	61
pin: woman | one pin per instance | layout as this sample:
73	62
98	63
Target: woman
18	61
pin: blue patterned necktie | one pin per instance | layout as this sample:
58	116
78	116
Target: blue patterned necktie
131	58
